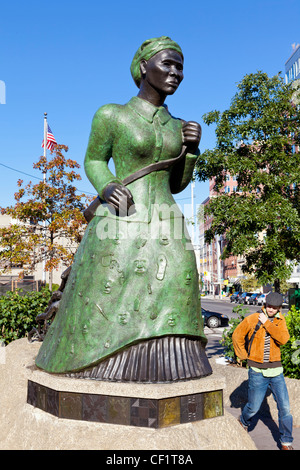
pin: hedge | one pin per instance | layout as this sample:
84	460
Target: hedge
18	313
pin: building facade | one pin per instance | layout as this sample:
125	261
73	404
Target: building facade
292	65
218	276
292	73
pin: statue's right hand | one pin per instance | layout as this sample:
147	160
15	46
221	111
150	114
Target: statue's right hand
118	196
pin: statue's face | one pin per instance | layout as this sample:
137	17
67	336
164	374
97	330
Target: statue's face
164	71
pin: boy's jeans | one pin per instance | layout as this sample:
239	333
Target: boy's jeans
257	389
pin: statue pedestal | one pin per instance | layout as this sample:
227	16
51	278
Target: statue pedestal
131	404
44	411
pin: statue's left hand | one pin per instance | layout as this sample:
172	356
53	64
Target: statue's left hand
191	135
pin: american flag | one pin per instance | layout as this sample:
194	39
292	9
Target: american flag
51	142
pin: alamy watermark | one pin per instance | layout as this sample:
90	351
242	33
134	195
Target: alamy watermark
2	92
168	222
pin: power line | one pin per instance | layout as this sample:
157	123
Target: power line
184	198
19	171
40	179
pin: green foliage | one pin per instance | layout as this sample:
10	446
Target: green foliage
296	354
255	141
290	352
226	340
53	203
293	323
18	313
249	284
54	287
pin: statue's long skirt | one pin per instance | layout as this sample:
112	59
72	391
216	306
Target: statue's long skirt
131	308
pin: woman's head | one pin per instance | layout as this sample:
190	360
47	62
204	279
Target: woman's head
147	50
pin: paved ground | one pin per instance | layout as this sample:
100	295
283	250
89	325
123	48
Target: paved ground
263	430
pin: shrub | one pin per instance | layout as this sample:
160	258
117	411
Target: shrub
18	313
290	352
226	340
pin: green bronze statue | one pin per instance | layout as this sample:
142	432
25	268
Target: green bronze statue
130	310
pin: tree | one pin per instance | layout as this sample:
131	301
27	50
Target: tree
46	213
255	141
249	284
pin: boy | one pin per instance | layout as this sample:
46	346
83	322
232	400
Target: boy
264	361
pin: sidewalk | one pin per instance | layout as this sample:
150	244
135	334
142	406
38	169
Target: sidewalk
264	431
215	297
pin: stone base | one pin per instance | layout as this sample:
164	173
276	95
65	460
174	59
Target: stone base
132	404
157	417
131	411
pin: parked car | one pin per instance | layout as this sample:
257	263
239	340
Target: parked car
285	303
253	298
261	299
248	295
214	319
234	296
243	299
237	300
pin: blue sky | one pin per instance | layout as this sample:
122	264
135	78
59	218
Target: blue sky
69	57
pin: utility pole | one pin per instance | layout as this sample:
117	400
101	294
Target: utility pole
218	240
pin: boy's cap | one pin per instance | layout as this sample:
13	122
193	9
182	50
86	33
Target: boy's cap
275	299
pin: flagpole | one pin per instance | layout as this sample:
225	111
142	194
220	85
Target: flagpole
45	141
44	179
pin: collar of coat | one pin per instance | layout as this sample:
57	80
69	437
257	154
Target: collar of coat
148	111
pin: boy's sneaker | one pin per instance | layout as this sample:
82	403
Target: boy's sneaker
243	425
286	447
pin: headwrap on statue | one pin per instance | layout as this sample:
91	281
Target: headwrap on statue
147	50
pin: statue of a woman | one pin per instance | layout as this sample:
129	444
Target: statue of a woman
130	310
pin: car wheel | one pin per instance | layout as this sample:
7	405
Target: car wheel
212	322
